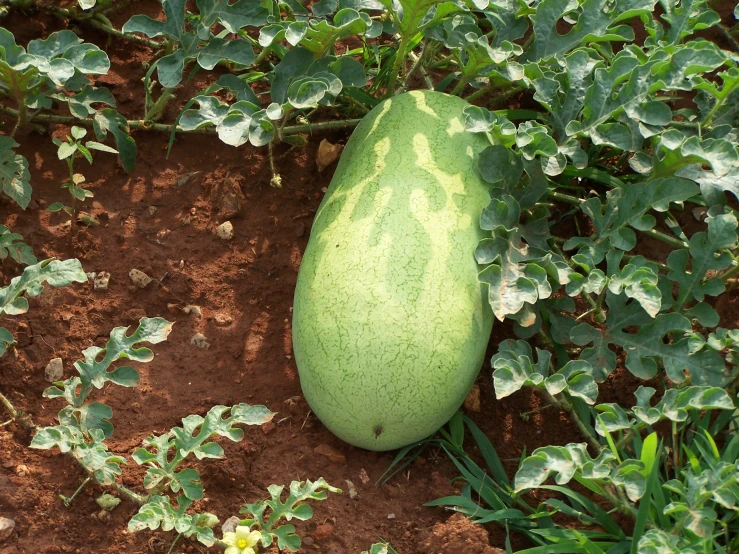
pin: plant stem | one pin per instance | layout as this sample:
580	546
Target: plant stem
422	69
262	55
525	415
625	439
728	35
442	61
730	272
144	125
22	116
73	221
8	406
156	111
118	5
100	26
460	86
498	98
416	63
675	453
567	407
527	42
276	180
599	316
174	542
68	501
399	57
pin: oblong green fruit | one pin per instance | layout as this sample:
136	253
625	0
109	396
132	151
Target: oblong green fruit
390	322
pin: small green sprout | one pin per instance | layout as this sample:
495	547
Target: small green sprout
107	501
69	150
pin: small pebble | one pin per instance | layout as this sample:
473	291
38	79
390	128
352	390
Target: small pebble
101	281
472	402
190	309
229	526
363	476
323	531
200	341
331	453
6	528
223	319
139	278
54	370
353	494
225	230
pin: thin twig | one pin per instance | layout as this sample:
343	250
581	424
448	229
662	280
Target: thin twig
118	5
68	501
174	542
8	406
15	415
144	125
727	35
566	406
418	64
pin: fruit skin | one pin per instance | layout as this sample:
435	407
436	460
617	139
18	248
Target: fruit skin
390	322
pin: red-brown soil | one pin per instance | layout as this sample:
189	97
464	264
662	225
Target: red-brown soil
249	280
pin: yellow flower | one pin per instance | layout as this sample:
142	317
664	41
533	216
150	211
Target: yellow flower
242	541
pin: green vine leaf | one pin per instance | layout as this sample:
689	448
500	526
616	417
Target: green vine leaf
93	455
60	57
638	280
6	340
561	462
237	124
320	36
706	254
11	245
675	403
597	21
109	120
267	513
630	80
514	369
164	453
159	512
233	17
14	174
684	19
94	370
52	272
646	345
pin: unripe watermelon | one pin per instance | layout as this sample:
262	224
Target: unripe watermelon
390	322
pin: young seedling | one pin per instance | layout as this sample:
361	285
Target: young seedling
30	283
264	516
69	150
84	426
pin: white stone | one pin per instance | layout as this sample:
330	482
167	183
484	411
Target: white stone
54	370
6	528
229	526
200	341
101	281
139	278
190	309
225	230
